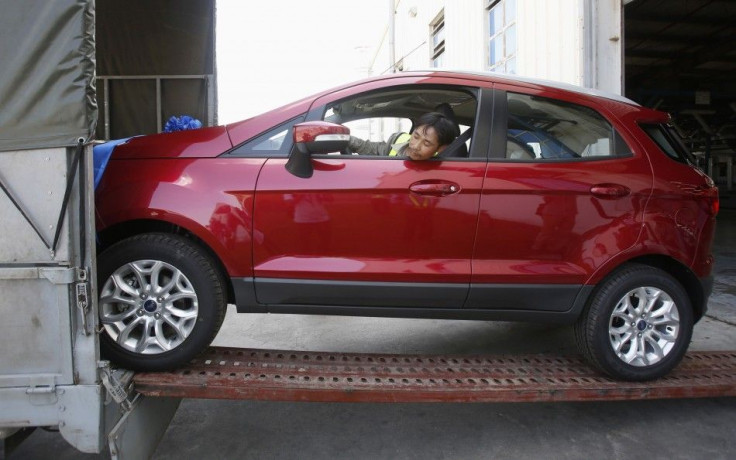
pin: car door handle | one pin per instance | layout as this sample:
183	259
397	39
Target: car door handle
609	191
434	188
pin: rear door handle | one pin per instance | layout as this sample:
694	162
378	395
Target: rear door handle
609	191
434	188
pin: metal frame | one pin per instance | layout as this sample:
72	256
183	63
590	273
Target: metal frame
50	368
211	96
281	375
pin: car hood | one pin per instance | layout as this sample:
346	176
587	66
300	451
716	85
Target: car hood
195	143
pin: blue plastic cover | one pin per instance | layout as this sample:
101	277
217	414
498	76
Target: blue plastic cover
101	154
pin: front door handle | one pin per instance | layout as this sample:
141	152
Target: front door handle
434	188
609	191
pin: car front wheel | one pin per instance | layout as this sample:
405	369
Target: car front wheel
638	324
161	301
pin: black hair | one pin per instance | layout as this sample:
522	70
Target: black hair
446	129
445	109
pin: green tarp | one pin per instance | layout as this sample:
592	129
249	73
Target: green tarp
47	73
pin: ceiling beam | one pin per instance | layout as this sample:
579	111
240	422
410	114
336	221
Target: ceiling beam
689	40
667	18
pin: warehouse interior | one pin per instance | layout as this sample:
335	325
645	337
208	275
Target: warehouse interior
679	57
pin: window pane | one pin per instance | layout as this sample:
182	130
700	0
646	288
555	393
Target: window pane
679	143
493	28
496	50
498	19
511	66
438	36
553	129
510	11
668	140
272	142
275	142
495	19
510	40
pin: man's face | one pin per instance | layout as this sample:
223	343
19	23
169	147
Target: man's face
424	143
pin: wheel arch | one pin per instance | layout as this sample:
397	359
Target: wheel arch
122	230
679	271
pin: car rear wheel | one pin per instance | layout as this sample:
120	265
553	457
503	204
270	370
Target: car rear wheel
638	324
161	301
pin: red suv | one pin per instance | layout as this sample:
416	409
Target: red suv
554	204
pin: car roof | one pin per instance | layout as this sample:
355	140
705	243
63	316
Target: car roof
508	78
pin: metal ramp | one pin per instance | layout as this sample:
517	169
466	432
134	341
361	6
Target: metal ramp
278	375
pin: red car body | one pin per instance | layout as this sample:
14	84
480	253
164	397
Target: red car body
482	237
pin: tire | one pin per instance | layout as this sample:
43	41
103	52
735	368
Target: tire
630	340
161	301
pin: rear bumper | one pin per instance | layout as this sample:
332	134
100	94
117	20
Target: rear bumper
706	284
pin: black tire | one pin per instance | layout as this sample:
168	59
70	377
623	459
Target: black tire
614	336
165	304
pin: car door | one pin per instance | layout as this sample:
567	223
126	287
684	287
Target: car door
563	194
367	231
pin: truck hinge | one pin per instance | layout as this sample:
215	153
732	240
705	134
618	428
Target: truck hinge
82	297
43	391
119	385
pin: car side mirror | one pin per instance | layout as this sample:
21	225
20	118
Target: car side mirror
314	137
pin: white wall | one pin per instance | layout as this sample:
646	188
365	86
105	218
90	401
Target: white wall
412	31
550	40
572	41
603	63
464	26
464	20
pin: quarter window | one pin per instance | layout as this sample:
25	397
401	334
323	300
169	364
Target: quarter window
669	141
274	142
547	129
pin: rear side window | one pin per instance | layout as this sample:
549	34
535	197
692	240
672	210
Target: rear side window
542	129
669	141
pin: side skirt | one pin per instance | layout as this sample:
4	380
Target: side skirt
500	302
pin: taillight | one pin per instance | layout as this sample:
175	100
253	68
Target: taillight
710	191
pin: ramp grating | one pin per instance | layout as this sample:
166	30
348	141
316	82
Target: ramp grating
235	373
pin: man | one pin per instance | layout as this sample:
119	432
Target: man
433	133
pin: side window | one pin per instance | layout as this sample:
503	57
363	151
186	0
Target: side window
547	129
274	142
377	119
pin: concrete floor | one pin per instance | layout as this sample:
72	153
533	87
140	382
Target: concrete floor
668	429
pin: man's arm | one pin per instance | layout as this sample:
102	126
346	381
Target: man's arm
362	147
